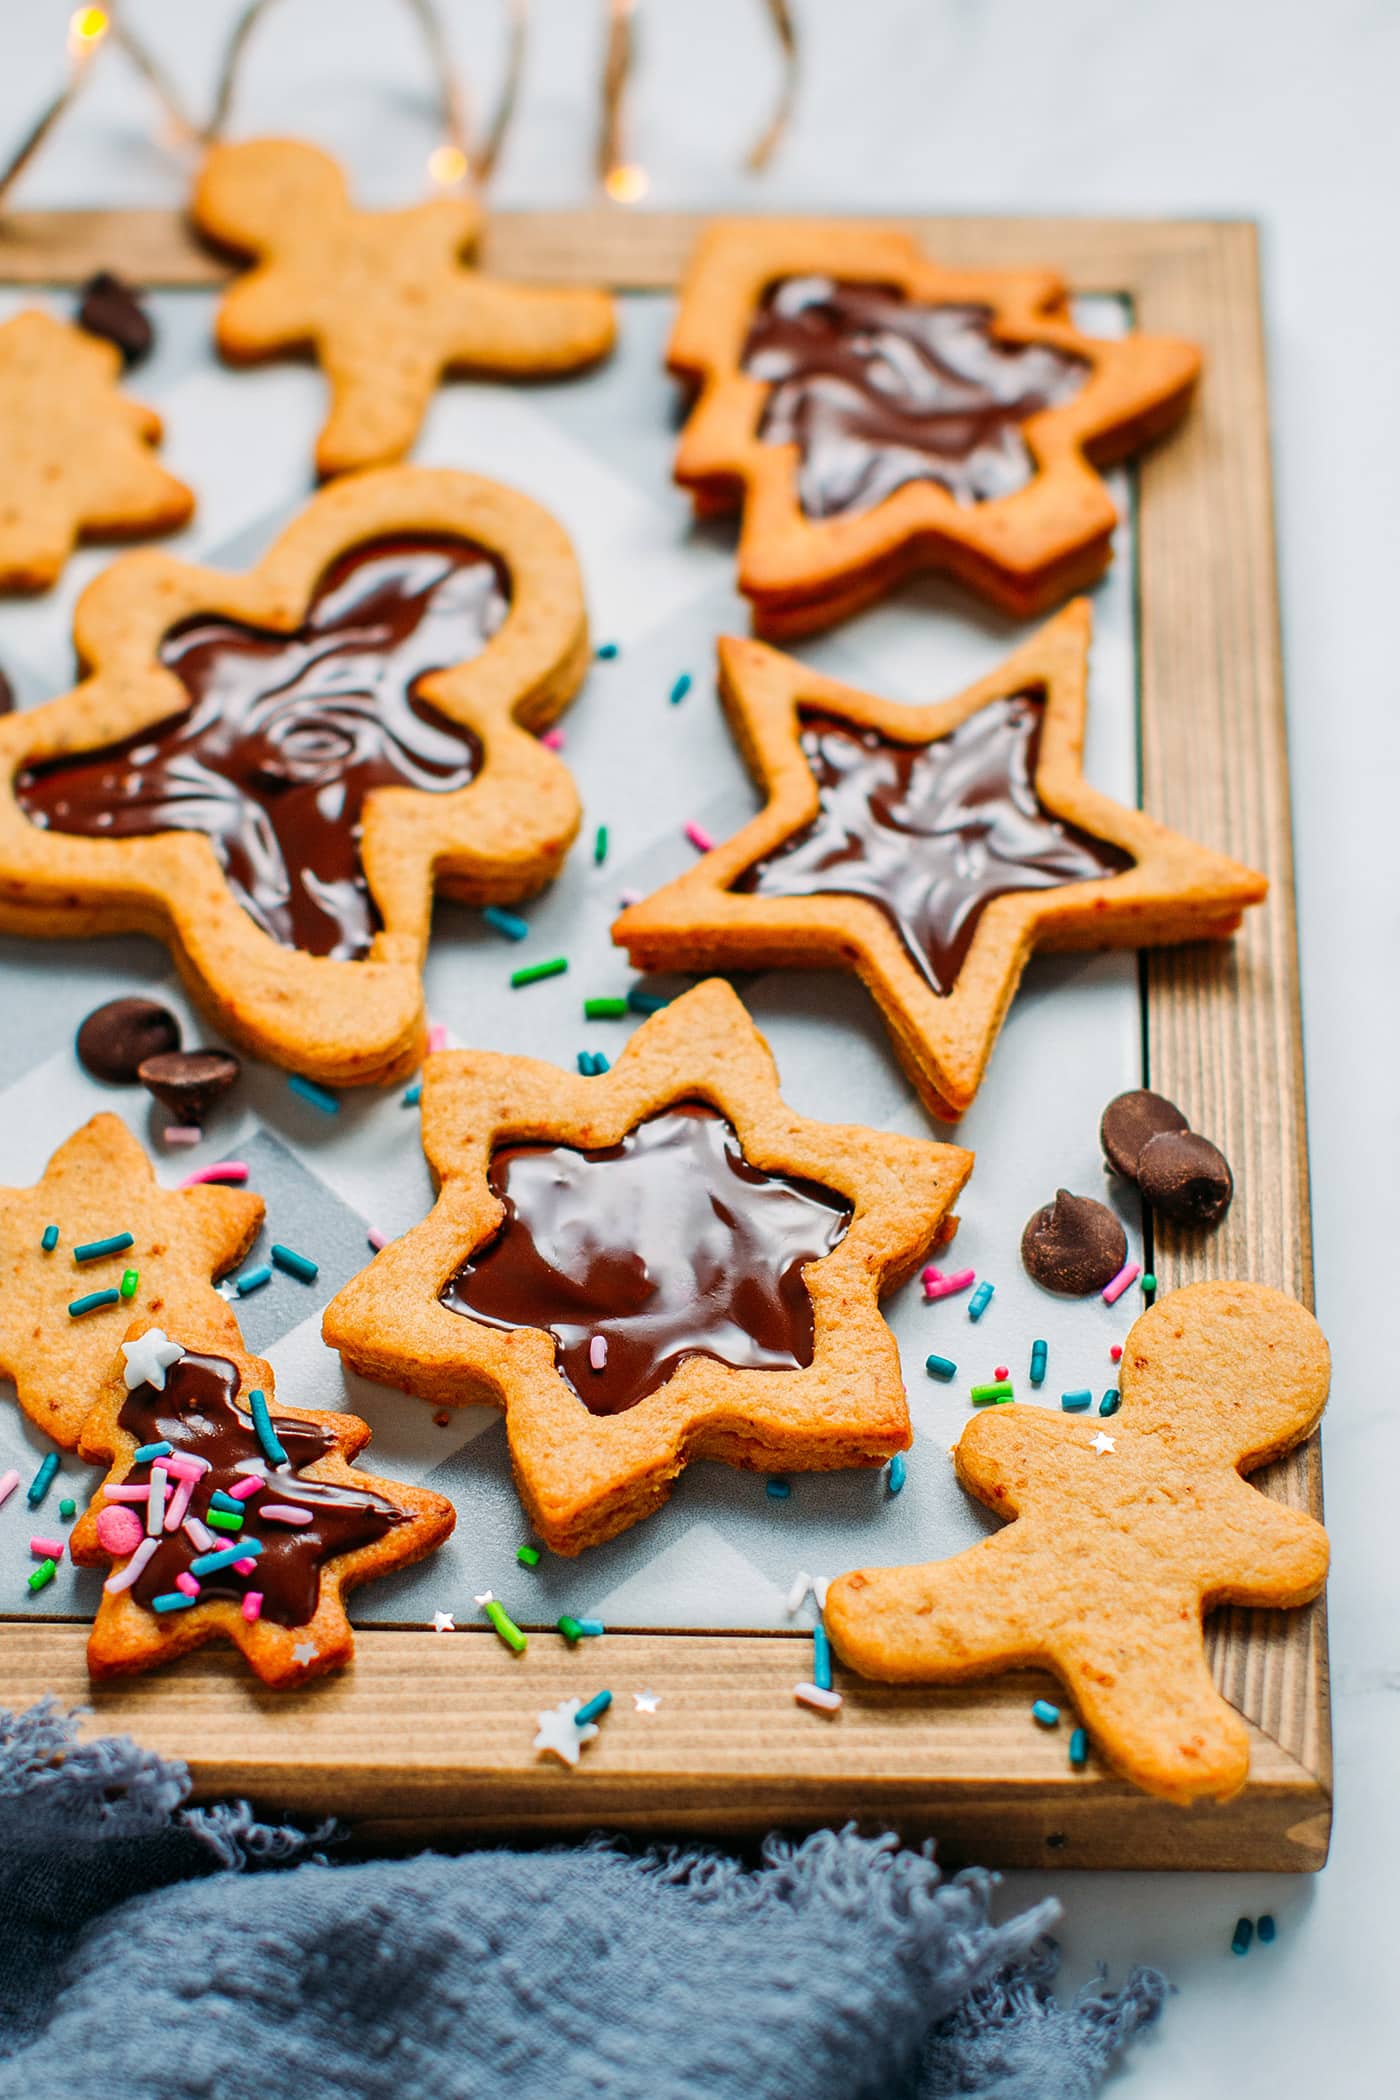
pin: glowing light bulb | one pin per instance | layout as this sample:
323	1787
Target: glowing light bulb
86	27
627	183
447	166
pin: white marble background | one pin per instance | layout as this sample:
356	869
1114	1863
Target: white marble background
1263	108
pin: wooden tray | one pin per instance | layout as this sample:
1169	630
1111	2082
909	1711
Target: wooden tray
424	1735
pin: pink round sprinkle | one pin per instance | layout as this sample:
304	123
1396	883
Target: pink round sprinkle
598	1351
222	1170
181	1134
1116	1353
437	1036
553	740
119	1530
186	1583
932	1275
1001	1371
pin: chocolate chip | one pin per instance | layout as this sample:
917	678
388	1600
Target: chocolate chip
118	1037
1185	1177
1130	1121
1074	1245
189	1082
111	309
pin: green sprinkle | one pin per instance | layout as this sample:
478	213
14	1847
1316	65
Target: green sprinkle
641	1001
413	1094
319	1096
533	972
528	1556
223	1519
1079	1748
272	1449
295	1264
941	1367
681	688
68	1509
604	1009
570	1629
1075	1403
130	1279
93	1302
1047	1713
508	923
1039	1357
43	1480
93	1250
50	1238
598	1704
1244	1930
506	1627
605	652
989	1395
43	1575
600	845
1111	1401
1148	1283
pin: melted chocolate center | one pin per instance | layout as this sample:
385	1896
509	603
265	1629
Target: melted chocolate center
932	832
876	391
196	1413
664	1246
286	734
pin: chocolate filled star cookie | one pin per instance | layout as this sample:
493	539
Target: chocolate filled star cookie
931	850
874	414
660	1264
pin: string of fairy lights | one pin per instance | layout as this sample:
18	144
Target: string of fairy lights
455	160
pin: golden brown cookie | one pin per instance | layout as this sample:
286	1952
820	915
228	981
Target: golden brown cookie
875	414
1126	1531
661	1264
79	460
930	849
98	1187
272	772
383	300
229	1517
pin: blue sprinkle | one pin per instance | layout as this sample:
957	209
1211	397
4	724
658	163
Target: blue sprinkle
49	1239
681	688
605	652
295	1264
42	1481
231	1503
600	1064
1075	1403
1266	1930
1111	1401
598	1704
591	1627
267	1436
413	1094
211	1563
941	1367
144	1453
1039	1357
1047	1713
252	1280
585	1064
896	1478
641	1001
1079	1748
821	1658
318	1096
779	1490
95	1250
979	1301
173	1600
507	922
1244	1934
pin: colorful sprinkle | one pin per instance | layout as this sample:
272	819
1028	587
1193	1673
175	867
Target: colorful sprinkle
147	1454
181	1134
821	1658
318	1096
251	1606
46	1549
186	1584
43	1480
991	1395
222	1169
283	1513
1040	1356
119	1531
378	1240
528	1556
225	1557
155	1499
826	1702
437	1038
252	1280
604	1009
1075	1403
93	1302
591	1708
570	1629
1129	1273
508	923
224	1519
9	1481
219	1500
93	1250
937	1286
172	1600
49	1238
506	1627
779	1490
534	972
1002	1371
941	1367
591	1628
641	1001
1111	1401
600	845
67	1508
1244	1928
699	838
272	1449
199	1535
295	1264
129	1281
681	688
898	1473
1266	1930
1079	1748
252	1485
1148	1283
123	1578
1046	1712
598	1353
552	739
979	1301
249	1561
43	1575
1115	1354
605	652
413	1094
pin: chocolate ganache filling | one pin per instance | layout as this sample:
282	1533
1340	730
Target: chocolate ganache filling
640	1254
932	832
197	1415
876	390
286	734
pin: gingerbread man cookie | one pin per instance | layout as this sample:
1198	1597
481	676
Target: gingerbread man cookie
931	850
274	771
877	414
1125	1534
383	300
68	1247
661	1264
229	1517
79	459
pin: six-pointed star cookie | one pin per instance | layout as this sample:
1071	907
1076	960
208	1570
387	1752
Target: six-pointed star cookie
661	1264
99	1185
384	299
930	849
273	771
77	452
256	1522
1113	1558
877	414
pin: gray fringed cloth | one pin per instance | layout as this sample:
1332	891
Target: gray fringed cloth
150	1951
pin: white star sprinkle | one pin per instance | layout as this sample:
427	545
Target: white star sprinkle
559	1733
443	1622
487	1597
646	1702
148	1359
304	1652
1103	1443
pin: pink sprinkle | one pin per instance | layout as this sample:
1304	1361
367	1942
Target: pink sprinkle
949	1286
185	1466
8	1483
127	1494
813	1695
553	740
181	1134
222	1170
598	1352
1116	1353
931	1275
179	1504
1001	1371
186	1583
629	897
283	1513
155	1501
46	1549
199	1535
246	1565
124	1577
244	1488
437	1036
1129	1273
252	1605
118	1531
376	1239
699	838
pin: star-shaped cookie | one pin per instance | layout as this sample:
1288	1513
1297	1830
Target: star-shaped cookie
78	453
273	771
1114	1556
384	300
230	1517
100	1185
660	1264
930	849
877	414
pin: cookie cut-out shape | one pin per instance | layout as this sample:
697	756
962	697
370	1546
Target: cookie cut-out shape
312	1528
660	1264
1120	1545
79	459
931	850
875	414
100	1184
329	738
384	300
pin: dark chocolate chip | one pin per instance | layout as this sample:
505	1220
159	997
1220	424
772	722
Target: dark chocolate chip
1185	1177
111	309
1130	1121
1074	1245
118	1037
189	1082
